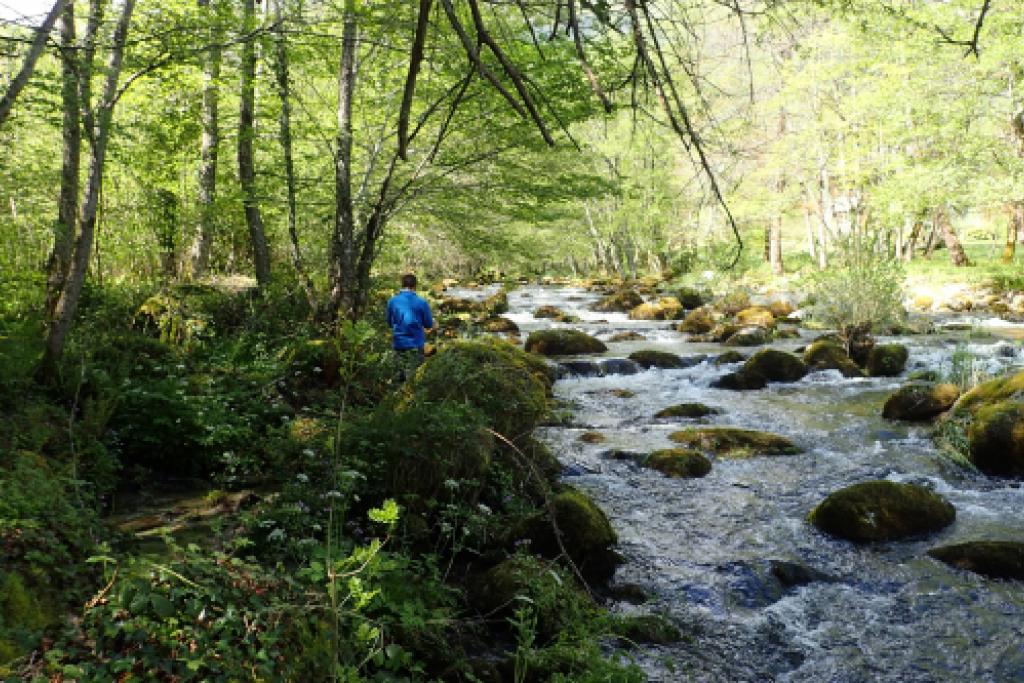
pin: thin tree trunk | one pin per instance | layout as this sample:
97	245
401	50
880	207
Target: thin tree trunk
67	206
199	255
953	246
29	65
915	234
775	245
1013	229
342	273
809	229
246	164
285	133
67	304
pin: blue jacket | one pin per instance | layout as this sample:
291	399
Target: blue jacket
408	315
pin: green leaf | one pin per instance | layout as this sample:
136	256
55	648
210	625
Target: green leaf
162	606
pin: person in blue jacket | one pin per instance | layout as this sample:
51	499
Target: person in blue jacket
409	318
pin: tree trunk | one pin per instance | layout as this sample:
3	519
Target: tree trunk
67	206
199	255
67	303
285	135
775	245
29	65
953	246
342	271
246	164
915	234
1013	229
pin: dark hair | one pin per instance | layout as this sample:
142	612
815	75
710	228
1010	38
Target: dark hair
409	281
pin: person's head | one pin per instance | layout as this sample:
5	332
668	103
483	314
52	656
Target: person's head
408	281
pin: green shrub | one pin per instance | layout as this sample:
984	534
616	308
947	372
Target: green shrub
860	290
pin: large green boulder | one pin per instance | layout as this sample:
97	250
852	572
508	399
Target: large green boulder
776	366
829	355
996	439
584	530
678	462
549	312
651	358
732	442
756	316
886	360
563	342
753	335
688	410
882	511
995	559
920	401
690	298
622	301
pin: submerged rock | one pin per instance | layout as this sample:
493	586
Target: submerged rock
619	366
579	368
740	380
563	343
650	358
678	462
593	437
732	442
995	559
690	410
882	511
794	575
886	360
623	301
920	401
829	355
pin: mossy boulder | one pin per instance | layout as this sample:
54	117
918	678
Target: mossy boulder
882	511
689	410
886	360
697	321
748	336
549	312
586	534
556	600
995	559
829	355
996	439
651	629
920	401
755	315
455	305
665	308
776	366
730	357
780	308
499	325
689	298
509	387
622	301
563	343
741	380
733	302
678	462
732	442
593	437
497	303
651	358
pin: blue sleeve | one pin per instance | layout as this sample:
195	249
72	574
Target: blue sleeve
391	313
428	320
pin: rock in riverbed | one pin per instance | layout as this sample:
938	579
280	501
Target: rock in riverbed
882	511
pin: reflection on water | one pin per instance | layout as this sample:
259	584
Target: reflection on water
703	547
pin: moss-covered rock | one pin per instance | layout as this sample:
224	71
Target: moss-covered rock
622	301
996	439
593	437
690	298
731	442
551	313
776	366
563	343
697	321
586	534
882	511
825	354
552	593
651	358
730	357
497	303
741	380
780	308
690	410
886	360
455	305
995	559
626	336
652	629
756	316
665	308
920	401
733	302
508	386
499	325
748	336
678	462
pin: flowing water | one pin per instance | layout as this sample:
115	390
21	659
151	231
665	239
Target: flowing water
702	548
